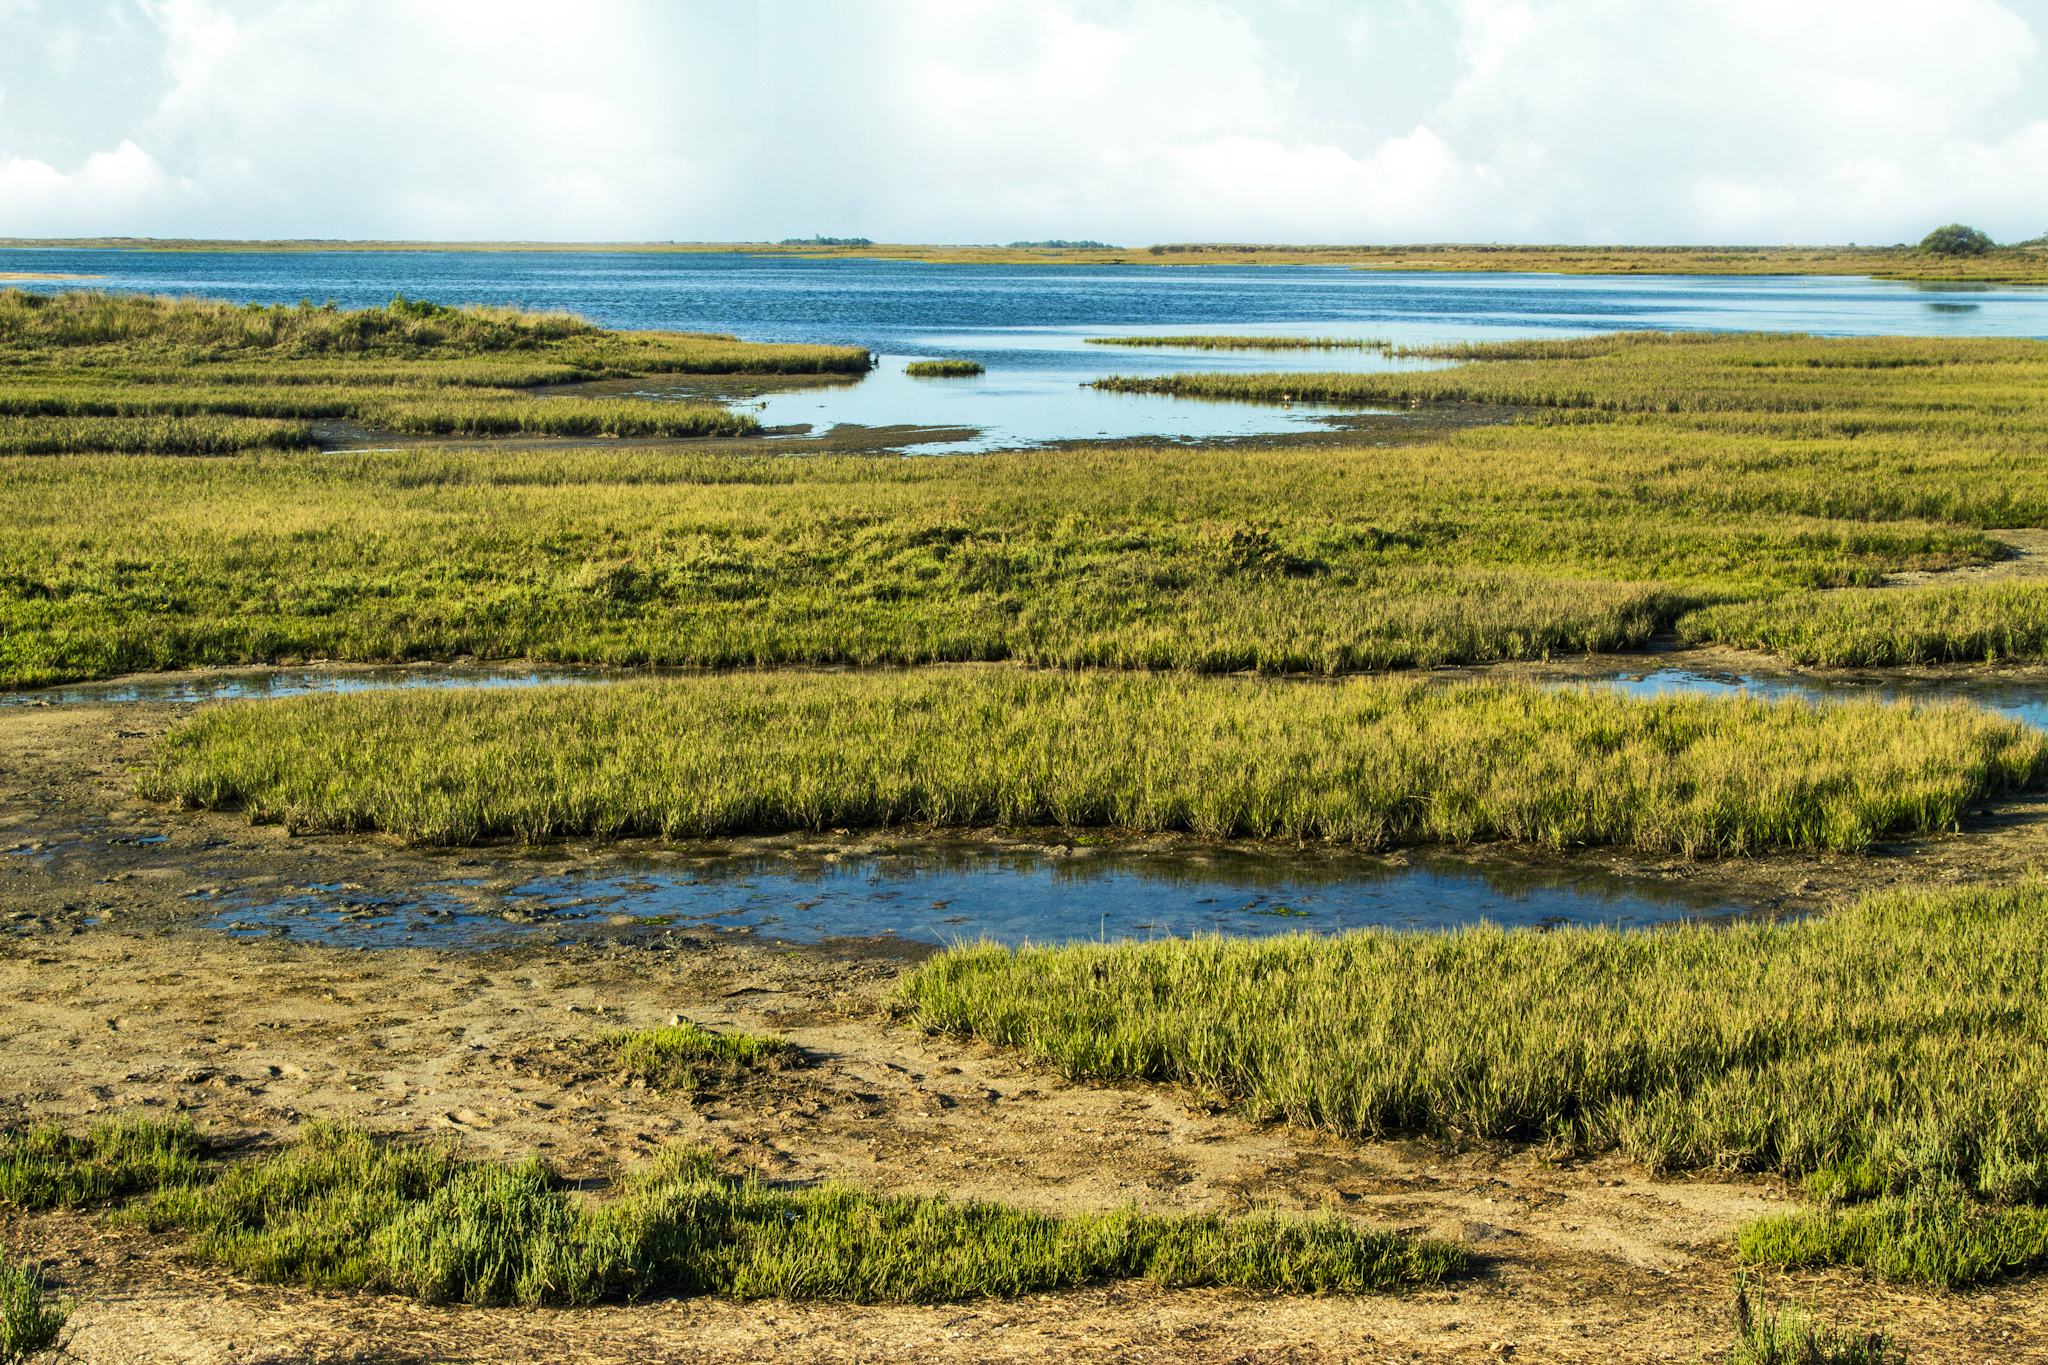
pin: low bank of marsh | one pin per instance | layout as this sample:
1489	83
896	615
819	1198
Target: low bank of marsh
337	1209
93	373
1369	762
943	369
1891	1053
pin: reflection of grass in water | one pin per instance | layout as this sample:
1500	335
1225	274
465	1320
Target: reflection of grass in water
1283	912
337	1209
1359	763
1890	1052
1248	343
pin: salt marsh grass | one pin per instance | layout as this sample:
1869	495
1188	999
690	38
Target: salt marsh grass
31	1318
681	1056
45	1167
943	369
1890	1052
1771	1335
1967	623
1369	762
90	372
338	1209
1720	487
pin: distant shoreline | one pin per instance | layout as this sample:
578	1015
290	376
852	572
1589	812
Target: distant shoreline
9	276
2008	265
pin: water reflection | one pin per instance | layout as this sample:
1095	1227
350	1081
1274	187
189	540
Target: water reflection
936	896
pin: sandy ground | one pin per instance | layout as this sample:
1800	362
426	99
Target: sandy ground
112	1001
2026	557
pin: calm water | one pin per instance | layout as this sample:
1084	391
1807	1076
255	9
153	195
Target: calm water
945	898
1028	324
257	684
2023	700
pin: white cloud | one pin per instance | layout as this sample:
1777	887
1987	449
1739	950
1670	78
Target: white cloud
109	190
986	119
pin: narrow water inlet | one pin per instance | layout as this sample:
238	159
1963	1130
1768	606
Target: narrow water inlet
940	893
1058	895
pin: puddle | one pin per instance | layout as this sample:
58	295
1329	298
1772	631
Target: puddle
1007	897
1015	405
258	684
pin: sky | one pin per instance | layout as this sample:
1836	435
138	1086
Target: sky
1130	121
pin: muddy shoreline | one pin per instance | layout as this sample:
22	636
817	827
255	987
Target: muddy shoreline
119	1001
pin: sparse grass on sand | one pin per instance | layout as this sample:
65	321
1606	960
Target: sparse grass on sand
1890	1053
943	369
31	1319
681	1056
1372	761
338	1209
1720	487
1768	1335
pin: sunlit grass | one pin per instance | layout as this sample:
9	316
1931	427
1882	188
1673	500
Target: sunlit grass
943	369
682	1056
1369	762
340	1210
90	372
1900	1039
1747	477
1772	1335
31	1318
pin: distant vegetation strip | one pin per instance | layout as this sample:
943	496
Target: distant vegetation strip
2016	263
90	373
1889	1054
337	1209
1369	762
1248	343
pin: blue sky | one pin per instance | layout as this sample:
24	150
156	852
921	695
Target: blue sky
986	120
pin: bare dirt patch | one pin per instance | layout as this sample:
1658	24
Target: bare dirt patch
2026	557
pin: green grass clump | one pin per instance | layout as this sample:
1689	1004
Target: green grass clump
943	369
679	1056
31	1321
1937	1236
1248	343
337	1209
1369	762
47	1168
1900	1039
1765	1335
